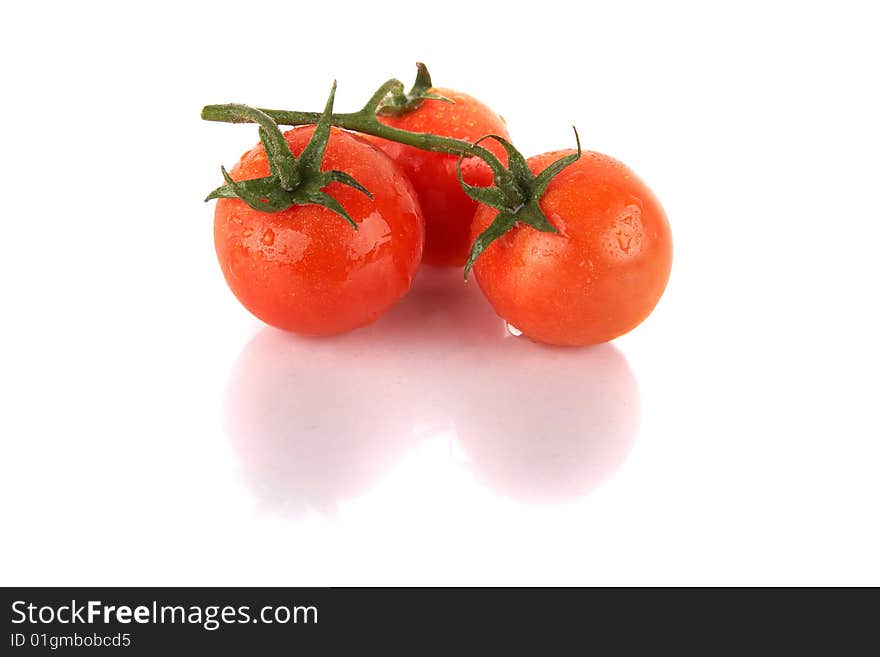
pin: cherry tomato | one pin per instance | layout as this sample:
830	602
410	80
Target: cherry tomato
305	269
448	210
595	279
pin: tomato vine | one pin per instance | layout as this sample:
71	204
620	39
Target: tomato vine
515	193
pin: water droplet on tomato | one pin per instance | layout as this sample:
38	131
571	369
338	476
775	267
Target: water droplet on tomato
513	330
268	238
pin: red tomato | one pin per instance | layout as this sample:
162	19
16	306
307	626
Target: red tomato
448	210
596	279
305	269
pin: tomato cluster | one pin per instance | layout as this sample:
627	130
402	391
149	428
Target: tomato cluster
569	247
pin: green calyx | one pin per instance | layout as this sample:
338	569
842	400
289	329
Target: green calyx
292	180
397	102
516	193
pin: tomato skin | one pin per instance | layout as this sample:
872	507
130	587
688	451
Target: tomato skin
305	269
600	276
448	210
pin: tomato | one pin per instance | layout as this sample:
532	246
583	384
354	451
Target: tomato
448	210
305	269
600	275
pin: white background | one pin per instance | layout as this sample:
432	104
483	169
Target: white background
153	432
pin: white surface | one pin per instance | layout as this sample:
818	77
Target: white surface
154	433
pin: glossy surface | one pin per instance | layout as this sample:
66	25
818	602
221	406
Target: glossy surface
311	429
448	210
305	269
600	276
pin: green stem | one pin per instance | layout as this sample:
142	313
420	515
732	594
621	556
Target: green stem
363	121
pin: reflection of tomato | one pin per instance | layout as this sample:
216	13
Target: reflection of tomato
600	276
304	419
311	426
448	210
545	424
307	418
305	269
